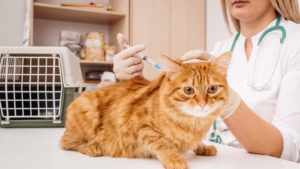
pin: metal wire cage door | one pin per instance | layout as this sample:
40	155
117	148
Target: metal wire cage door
31	87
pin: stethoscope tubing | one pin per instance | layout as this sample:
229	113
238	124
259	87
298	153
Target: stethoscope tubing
276	27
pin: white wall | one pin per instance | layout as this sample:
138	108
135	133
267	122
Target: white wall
216	28
12	18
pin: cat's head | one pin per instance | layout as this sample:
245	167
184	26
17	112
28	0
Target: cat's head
94	35
195	89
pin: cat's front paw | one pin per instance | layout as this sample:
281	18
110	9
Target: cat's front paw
206	150
91	150
175	163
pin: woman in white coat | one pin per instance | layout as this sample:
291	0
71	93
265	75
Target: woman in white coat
263	114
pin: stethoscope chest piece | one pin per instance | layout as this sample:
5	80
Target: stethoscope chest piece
266	87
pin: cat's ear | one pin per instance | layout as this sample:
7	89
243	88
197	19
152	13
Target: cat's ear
222	62
169	65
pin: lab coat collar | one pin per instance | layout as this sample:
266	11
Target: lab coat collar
255	38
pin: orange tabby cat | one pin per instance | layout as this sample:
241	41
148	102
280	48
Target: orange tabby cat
161	118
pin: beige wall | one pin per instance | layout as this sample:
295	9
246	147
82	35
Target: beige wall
187	26
170	27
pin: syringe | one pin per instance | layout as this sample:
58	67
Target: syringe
147	59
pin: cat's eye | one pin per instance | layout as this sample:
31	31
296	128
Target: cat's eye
212	89
188	90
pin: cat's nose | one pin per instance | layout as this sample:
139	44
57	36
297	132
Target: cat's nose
202	105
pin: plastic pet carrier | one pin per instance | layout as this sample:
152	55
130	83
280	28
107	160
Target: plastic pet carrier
36	85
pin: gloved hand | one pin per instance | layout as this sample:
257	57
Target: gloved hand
127	64
234	99
195	55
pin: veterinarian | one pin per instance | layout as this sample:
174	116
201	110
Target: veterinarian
263	113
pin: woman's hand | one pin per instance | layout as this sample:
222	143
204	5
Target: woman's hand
127	64
233	102
195	56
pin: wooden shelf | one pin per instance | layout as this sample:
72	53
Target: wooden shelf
76	14
91	81
101	63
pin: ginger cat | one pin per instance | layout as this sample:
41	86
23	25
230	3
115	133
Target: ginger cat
141	119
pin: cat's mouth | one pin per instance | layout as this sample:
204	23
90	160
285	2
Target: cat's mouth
196	111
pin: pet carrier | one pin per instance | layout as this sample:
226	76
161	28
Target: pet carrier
36	85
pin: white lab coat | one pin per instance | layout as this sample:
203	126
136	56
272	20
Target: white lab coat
280	103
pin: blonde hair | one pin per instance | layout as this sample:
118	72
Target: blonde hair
286	8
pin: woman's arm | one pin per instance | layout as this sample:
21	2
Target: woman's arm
254	133
281	136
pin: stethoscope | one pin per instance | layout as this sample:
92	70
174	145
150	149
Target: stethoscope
266	84
214	136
